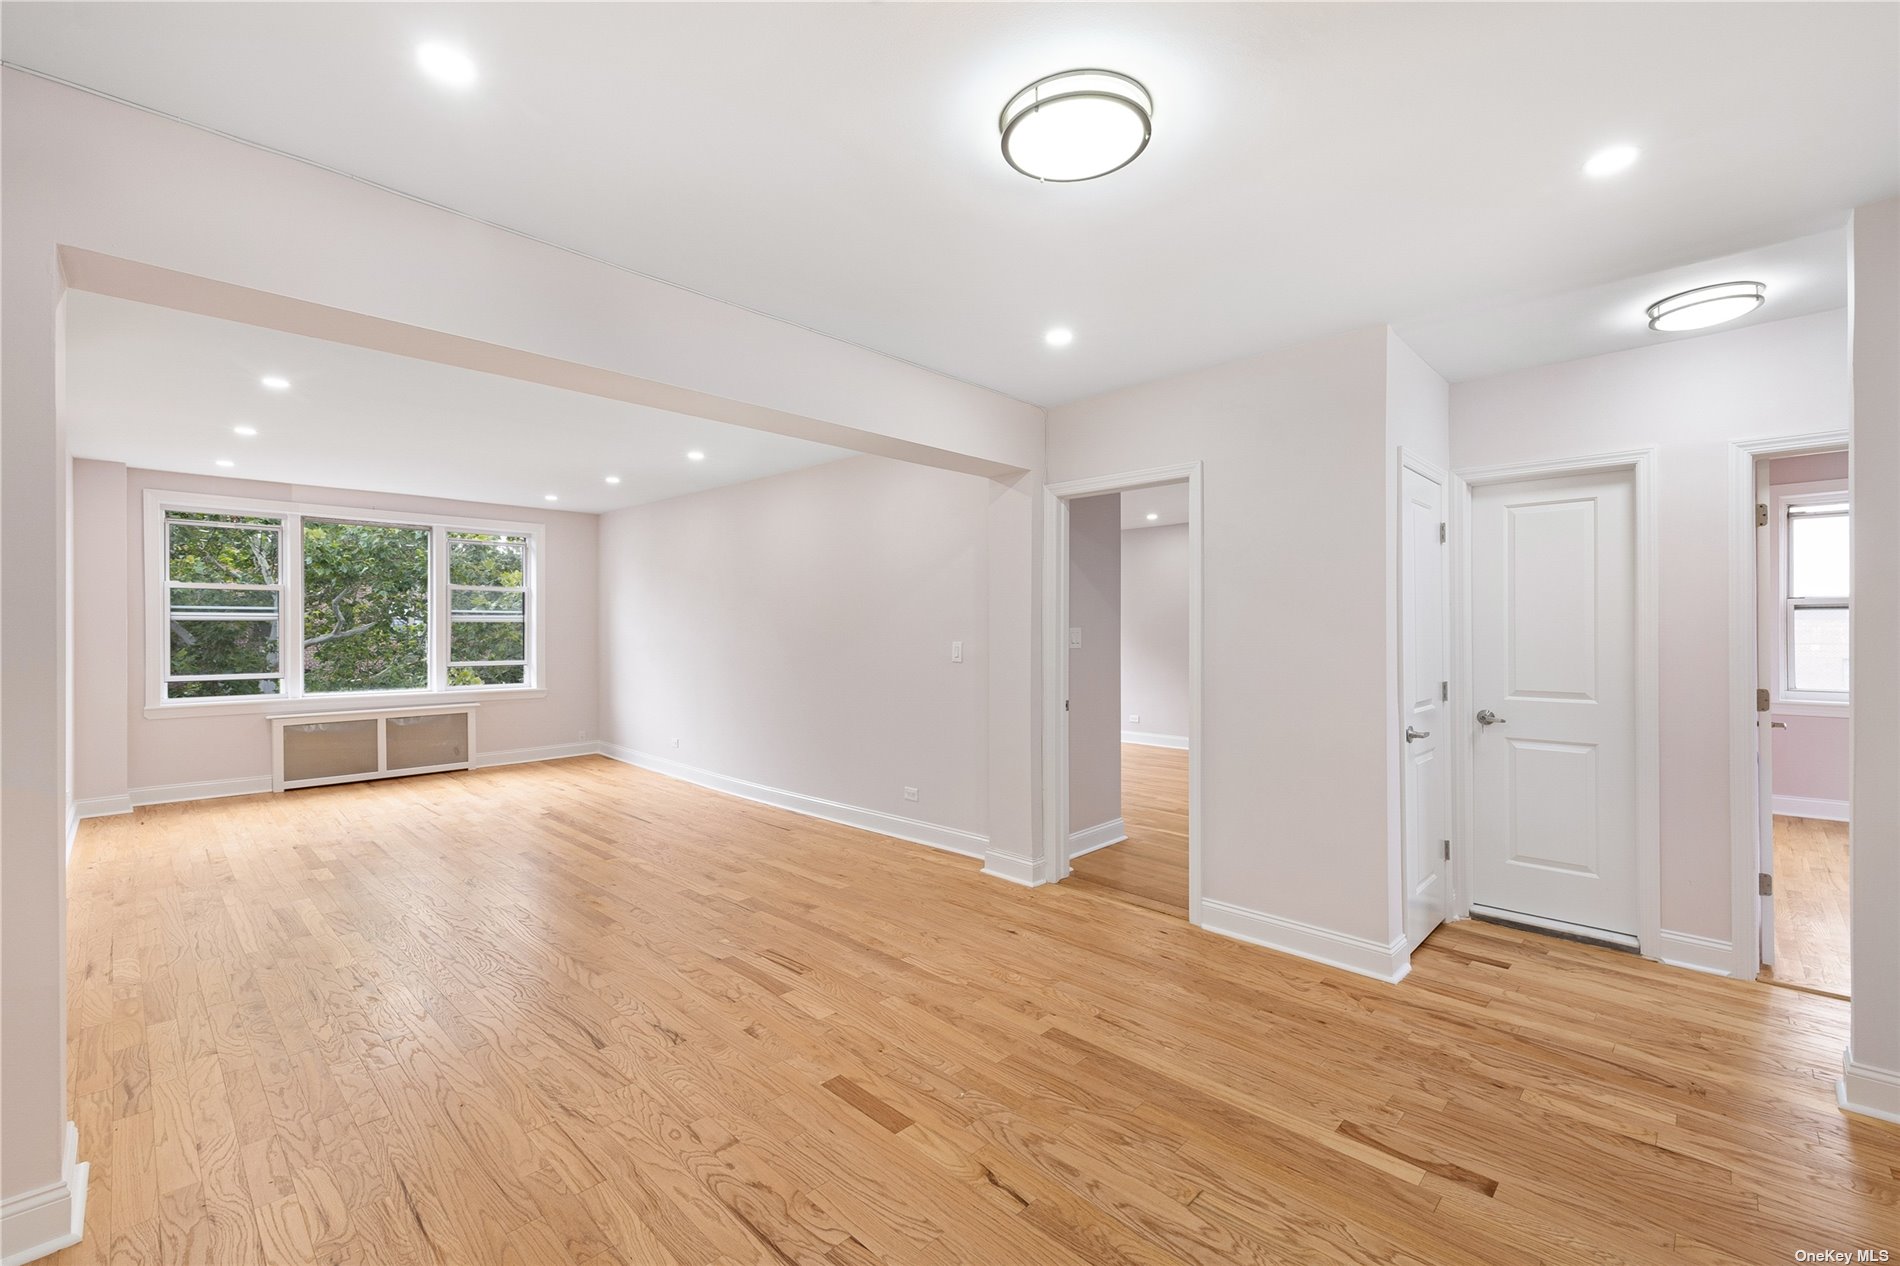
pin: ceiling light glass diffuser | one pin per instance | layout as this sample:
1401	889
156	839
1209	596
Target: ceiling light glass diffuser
1076	125
1704	306
1610	161
446	65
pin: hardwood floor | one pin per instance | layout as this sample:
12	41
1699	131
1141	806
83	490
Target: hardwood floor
1150	867
578	1012
1811	906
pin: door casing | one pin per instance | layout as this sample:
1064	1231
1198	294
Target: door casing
1641	463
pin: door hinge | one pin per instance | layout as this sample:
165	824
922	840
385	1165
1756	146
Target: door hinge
1767	884
1761	514
1441	533
1444	692
1065	705
1447	844
1761	701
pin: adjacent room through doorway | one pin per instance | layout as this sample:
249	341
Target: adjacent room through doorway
1129	695
1804	600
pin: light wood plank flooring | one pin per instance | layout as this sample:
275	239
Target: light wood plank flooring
1150	867
578	1012
1811	907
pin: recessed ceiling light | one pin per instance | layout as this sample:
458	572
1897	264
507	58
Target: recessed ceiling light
274	382
246	431
1076	125
1059	337
1611	160
1704	306
695	456
446	65
226	462
550	497
613	479
1153	517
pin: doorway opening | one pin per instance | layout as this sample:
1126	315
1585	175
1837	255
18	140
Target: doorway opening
1122	674
1803	594
1128	691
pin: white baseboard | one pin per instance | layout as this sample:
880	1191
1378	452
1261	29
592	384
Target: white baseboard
40	1222
946	838
1179	741
102	806
1872	1092
171	793
1016	868
524	755
1389	963
1809	807
1697	953
1101	835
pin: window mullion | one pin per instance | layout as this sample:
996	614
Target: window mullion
439	605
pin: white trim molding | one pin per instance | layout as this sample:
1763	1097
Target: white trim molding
40	1222
1017	869
1179	742
1872	1092
102	806
949	839
1697	953
217	788
1389	963
1641	463
1810	807
1744	617
1101	835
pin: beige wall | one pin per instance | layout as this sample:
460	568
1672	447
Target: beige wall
1095	688
1155	630
795	633
1690	398
1294	505
122	751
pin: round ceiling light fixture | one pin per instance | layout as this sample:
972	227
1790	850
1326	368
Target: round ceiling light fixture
1705	306
1076	125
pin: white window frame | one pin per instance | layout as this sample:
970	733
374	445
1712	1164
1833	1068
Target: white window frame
1786	698
159	504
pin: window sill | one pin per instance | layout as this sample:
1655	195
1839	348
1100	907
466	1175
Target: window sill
1811	708
253	706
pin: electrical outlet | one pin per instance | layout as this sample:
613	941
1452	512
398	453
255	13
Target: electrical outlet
1075	639
956	652
910	793
1134	718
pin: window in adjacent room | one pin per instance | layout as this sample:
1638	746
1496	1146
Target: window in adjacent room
1816	596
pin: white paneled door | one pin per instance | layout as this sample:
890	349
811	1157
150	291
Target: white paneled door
1424	685
1553	606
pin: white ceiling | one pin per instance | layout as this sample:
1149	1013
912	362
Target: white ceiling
162	389
1804	276
1314	166
1168	503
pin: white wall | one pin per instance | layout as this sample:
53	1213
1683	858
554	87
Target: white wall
1871	1080
795	632
1295	505
1095	687
1690	398
1155	631
155	755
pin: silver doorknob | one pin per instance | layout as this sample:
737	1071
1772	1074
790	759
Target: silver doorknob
1488	717
1411	734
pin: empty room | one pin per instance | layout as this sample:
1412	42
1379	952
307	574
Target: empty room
846	634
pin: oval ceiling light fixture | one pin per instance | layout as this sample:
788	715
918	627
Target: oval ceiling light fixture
274	382
1152	517
1061	336
1611	160
446	64
1705	306
1076	125
613	479
244	429
695	456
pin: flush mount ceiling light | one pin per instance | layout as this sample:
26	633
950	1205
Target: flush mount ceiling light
1059	337
245	431
446	64
274	382
551	497
1076	125
225	463
1153	517
1704	306
1610	161
613	479
695	456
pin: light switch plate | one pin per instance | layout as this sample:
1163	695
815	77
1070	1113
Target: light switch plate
1075	638
956	652
1134	718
